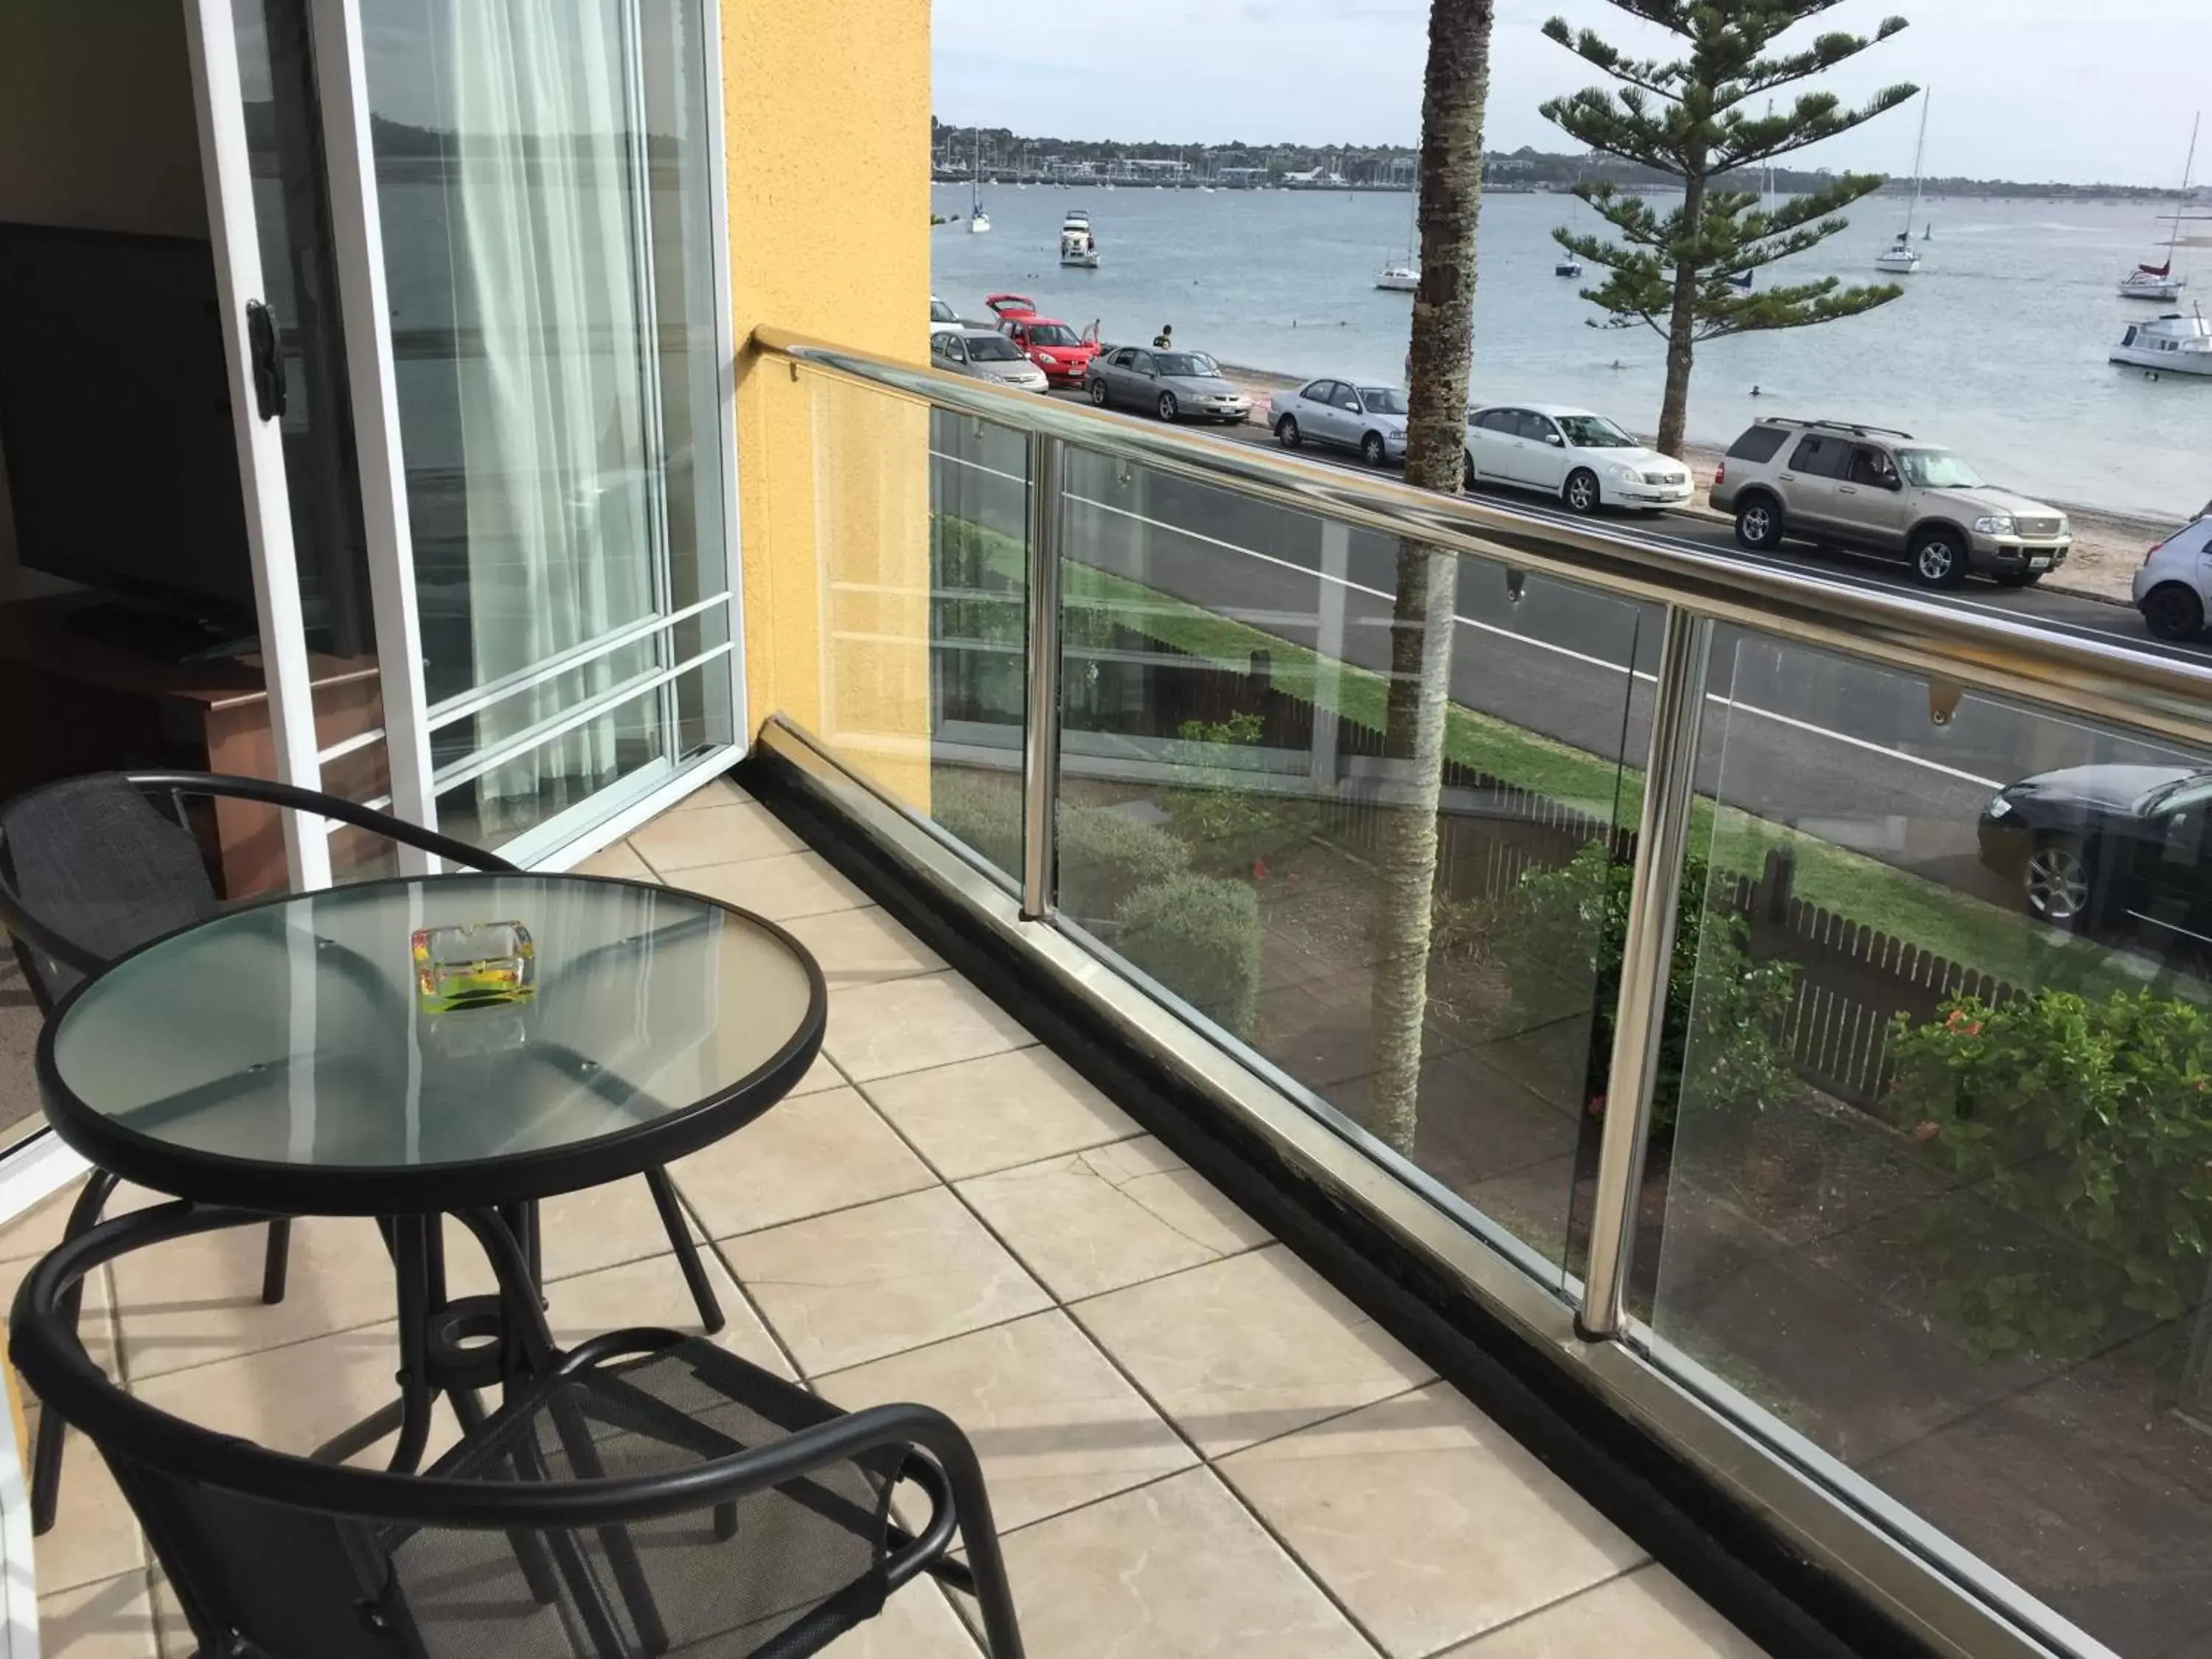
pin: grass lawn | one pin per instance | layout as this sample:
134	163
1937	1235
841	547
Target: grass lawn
1951	924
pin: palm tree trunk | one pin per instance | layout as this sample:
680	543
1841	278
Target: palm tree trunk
1681	324
1456	83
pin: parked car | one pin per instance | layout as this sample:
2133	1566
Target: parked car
2110	848
2175	582
1174	385
1063	355
1581	459
1881	491
1370	419
986	355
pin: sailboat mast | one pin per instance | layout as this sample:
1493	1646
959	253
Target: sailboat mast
1919	153
2181	202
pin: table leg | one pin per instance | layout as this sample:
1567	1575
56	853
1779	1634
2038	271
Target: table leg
410	1252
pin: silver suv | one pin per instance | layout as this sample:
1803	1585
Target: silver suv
1869	487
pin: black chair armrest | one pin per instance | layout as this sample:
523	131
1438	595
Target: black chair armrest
268	793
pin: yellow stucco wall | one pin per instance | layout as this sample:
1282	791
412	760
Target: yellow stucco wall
827	116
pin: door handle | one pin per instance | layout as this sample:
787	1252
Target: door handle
1789	478
268	361
1847	489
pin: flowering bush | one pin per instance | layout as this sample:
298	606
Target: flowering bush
2090	1122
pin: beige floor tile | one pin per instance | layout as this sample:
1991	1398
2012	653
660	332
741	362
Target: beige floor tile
1247	1348
295	1398
917	1622
846	1288
96	1535
652	1292
194	1300
979	1115
32	1234
111	1619
910	1025
1428	1522
781	889
1176	1570
717	791
1054	1423
1095	1221
601	1226
714	834
1649	1614
819	1076
859	947
618	859
800	1158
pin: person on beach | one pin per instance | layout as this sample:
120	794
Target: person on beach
1165	338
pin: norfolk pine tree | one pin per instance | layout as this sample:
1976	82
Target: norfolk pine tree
1688	116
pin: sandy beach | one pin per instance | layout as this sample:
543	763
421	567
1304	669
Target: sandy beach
2108	547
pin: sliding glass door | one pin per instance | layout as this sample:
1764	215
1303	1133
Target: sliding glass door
544	180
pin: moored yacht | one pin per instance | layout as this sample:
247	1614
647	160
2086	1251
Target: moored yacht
2172	345
2158	283
1078	246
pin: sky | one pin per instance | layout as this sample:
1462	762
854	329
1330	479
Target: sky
2023	89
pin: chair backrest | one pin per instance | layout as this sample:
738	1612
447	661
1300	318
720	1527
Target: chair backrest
94	866
90	868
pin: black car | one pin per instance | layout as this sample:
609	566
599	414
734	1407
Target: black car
2108	849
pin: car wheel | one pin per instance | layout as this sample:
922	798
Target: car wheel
1286	433
1167	407
2173	612
1371	450
2017	578
1466	472
1758	524
1581	494
2055	881
1099	393
1939	559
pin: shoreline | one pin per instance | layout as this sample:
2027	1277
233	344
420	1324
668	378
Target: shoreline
2108	547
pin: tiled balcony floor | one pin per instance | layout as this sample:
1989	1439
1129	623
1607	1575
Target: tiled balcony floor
1195	1445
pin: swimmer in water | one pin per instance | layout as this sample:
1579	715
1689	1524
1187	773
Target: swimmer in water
1756	392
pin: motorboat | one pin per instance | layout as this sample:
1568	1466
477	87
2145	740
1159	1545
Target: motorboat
2159	281
1078	246
2172	345
1568	266
1398	276
1901	258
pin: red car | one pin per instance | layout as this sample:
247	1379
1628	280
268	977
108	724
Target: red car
1063	355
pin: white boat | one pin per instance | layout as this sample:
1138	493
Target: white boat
1078	246
2158	283
979	222
1569	266
1901	258
2172	345
1404	275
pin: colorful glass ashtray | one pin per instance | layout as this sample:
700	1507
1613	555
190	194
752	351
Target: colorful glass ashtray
485	964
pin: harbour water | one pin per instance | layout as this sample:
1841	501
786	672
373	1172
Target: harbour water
1997	347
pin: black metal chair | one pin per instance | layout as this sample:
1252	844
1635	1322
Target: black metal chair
643	1494
92	867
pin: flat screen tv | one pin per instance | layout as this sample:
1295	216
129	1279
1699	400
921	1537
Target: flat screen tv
115	419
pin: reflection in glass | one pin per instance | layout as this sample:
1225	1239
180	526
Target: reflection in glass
1934	1185
543	182
1226	794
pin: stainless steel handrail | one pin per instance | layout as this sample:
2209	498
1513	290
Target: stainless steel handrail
2015	658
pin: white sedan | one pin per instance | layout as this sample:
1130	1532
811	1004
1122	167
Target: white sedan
1580	459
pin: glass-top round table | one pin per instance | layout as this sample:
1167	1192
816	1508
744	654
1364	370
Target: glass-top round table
282	1057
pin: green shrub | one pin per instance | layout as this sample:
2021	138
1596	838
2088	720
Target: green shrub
2091	1121
1227	821
1200	937
1559	932
1105	855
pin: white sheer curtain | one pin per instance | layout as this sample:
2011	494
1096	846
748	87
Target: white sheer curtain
556	407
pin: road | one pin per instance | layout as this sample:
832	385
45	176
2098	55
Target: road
1841	749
